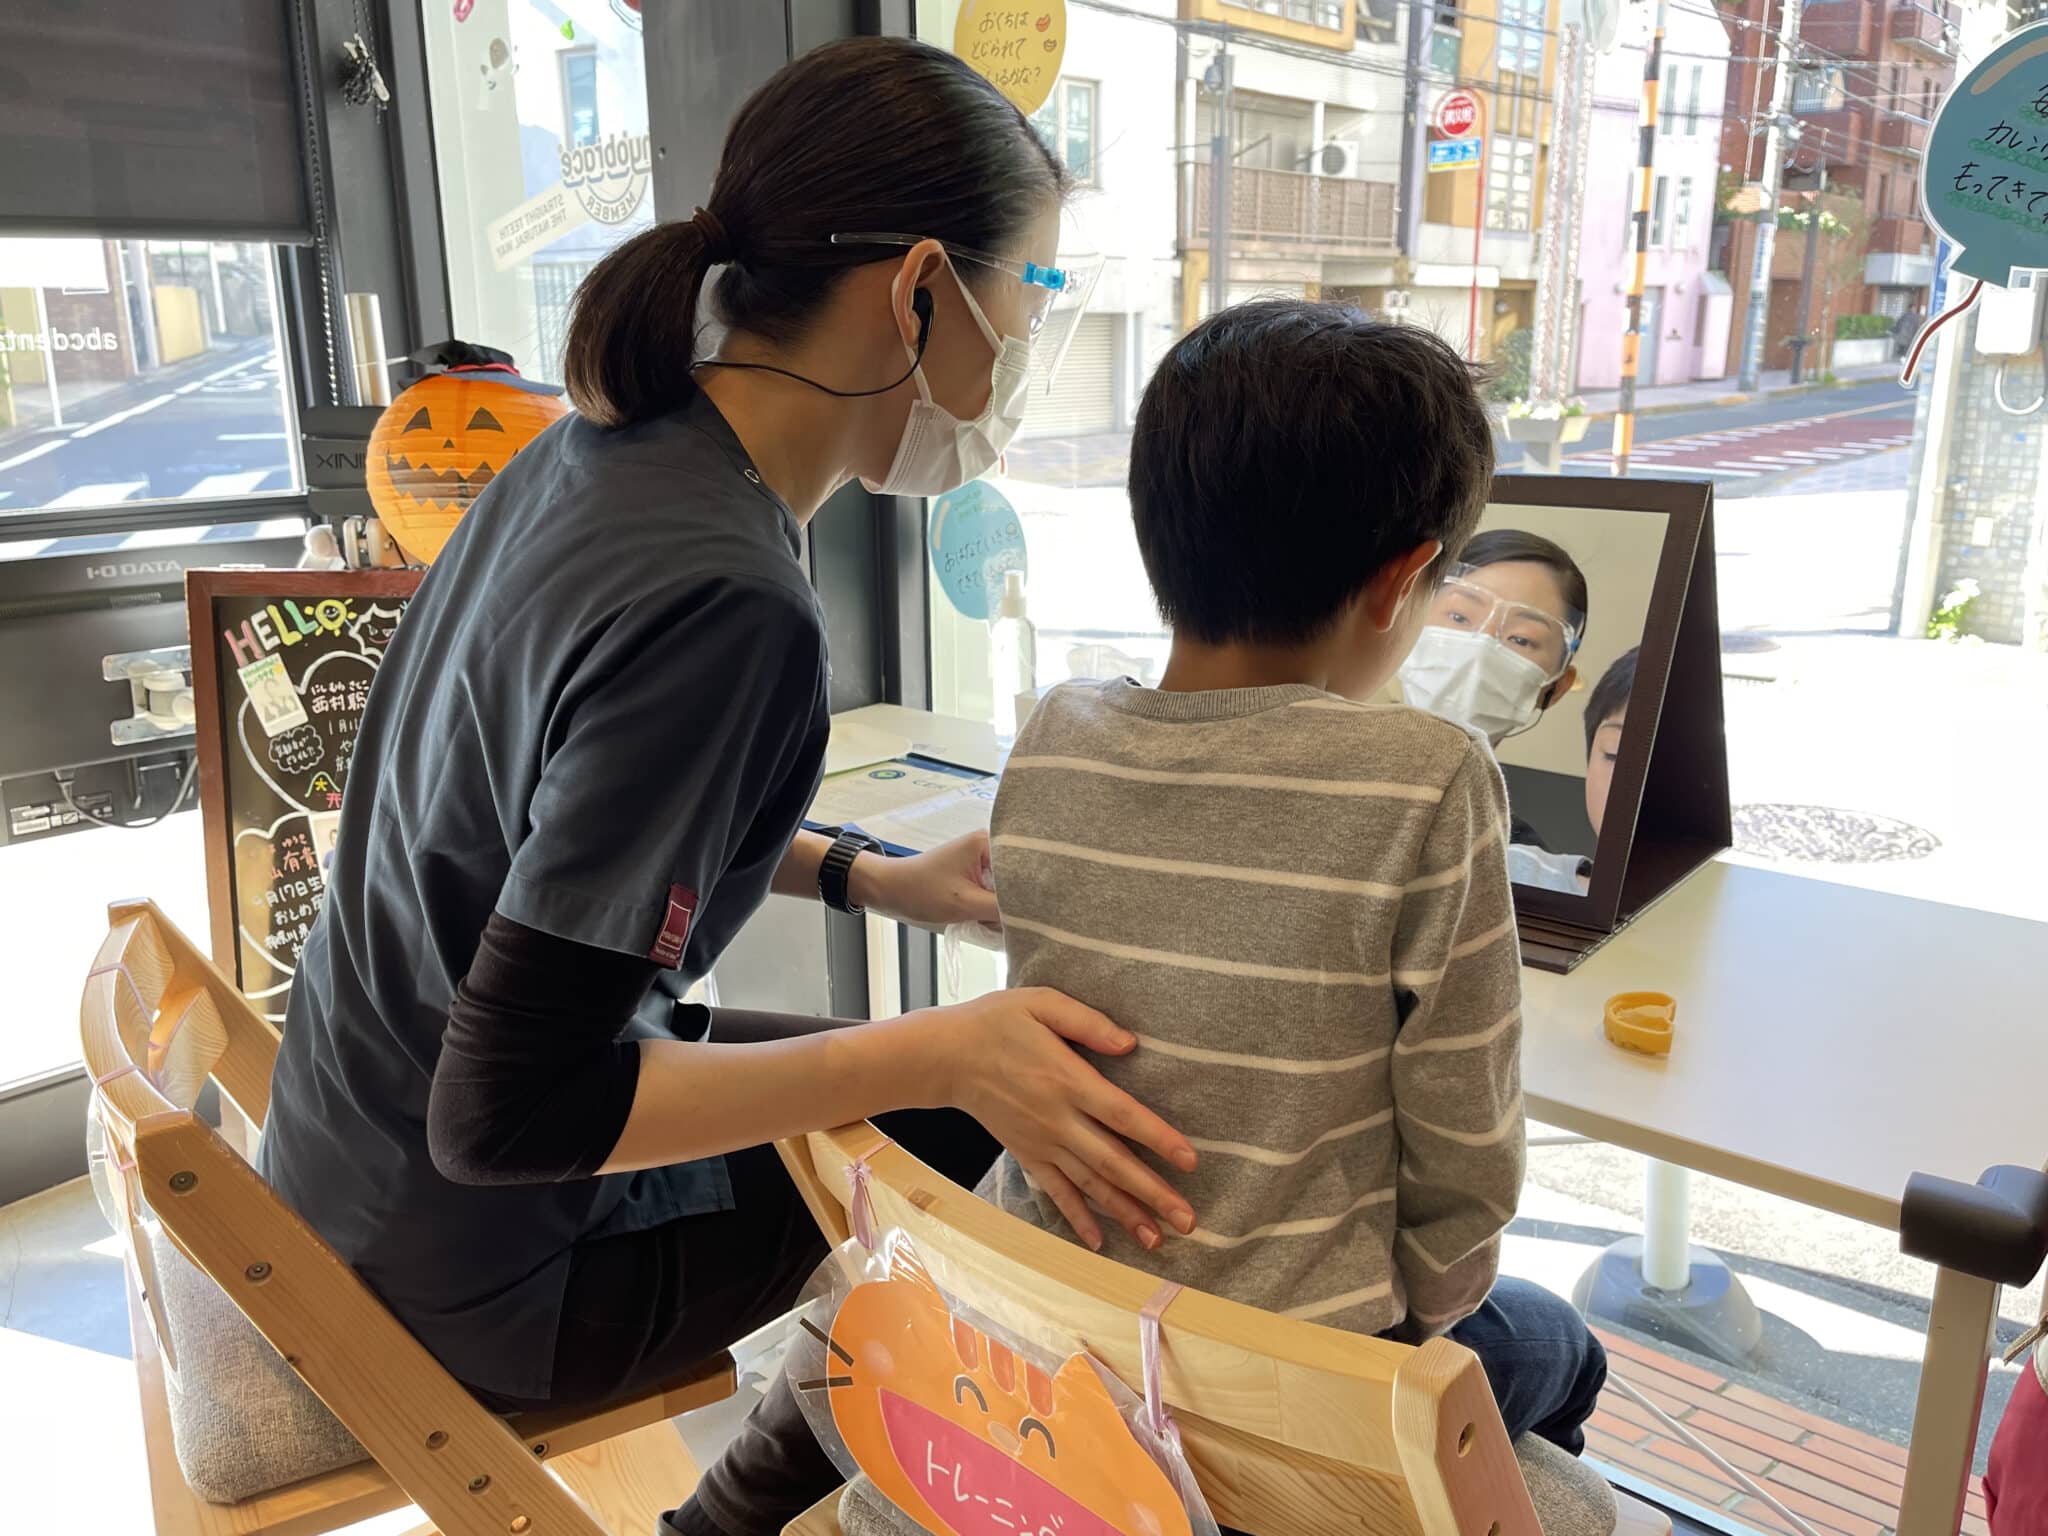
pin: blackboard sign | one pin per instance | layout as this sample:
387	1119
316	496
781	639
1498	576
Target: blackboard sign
281	670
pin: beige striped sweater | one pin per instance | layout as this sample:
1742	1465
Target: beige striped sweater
1301	907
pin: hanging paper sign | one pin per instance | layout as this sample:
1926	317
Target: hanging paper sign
976	536
1017	48
1984	179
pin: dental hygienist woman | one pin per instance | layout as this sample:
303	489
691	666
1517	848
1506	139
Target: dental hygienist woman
1496	652
586	759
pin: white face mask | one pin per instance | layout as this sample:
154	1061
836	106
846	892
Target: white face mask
1472	678
938	450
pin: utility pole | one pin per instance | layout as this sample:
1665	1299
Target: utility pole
1767	231
1218	81
1813	213
1646	175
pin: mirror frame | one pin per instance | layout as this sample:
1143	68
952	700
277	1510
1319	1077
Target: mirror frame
1683	586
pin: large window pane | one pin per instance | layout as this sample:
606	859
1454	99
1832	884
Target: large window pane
1878	549
139	370
540	134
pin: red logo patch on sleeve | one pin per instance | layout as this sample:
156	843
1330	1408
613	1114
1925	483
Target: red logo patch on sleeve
674	937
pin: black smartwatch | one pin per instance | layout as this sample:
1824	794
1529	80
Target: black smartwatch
837	864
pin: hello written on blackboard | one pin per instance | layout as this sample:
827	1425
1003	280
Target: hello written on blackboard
282	624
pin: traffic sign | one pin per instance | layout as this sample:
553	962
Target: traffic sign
1457	113
1450	154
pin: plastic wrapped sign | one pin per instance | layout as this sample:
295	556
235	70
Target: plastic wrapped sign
1984	178
964	1432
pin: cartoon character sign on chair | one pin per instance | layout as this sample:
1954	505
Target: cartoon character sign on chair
969	1438
442	440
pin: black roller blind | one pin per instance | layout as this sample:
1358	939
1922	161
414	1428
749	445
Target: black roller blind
167	118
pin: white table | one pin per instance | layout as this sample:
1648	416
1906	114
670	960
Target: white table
1830	1043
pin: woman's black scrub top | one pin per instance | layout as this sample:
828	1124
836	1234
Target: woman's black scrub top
603	716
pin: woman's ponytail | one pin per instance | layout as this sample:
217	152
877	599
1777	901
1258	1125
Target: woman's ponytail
633	335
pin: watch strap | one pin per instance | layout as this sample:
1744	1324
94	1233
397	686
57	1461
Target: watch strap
837	865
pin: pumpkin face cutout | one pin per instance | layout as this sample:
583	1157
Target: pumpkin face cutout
967	1438
442	441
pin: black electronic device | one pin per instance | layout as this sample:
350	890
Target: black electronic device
65	606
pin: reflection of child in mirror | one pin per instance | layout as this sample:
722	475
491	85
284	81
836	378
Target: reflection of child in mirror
1606	714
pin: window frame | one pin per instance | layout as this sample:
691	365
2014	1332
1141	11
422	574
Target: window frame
1660	223
1056	106
565	59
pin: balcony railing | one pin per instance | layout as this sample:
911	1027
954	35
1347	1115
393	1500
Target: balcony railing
1915	27
1901	136
1335	215
1898	235
1836	135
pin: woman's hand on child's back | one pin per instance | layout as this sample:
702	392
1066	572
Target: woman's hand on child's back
1015	1070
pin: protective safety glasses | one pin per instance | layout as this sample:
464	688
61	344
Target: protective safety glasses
1055	297
1549	640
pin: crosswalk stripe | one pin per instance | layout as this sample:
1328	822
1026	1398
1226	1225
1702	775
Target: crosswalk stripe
98	495
120	416
241	483
34	453
1738	469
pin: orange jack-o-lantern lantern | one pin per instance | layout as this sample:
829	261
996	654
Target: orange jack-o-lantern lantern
447	437
969	1439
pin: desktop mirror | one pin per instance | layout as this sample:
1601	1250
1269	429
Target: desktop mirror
1577	632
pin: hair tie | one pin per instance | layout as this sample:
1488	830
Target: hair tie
711	230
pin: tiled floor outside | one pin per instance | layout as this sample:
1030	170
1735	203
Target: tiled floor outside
1840	1480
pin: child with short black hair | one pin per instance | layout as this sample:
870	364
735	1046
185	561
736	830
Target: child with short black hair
1299	903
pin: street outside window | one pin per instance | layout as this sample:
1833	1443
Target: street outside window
139	370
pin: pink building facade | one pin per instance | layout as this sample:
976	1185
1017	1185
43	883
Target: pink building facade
1687	310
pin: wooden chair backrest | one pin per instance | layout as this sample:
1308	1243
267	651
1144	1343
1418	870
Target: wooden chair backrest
157	1020
1291	1427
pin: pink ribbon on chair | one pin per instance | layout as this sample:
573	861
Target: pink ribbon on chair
1149	1352
860	1209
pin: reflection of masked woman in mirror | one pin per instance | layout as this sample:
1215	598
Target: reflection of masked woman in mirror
1497	648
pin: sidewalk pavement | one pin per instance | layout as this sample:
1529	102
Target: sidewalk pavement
1705	392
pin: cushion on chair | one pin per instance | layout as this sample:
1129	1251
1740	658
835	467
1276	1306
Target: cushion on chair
241	1420
1571	1499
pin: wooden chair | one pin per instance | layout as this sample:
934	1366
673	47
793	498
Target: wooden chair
1292	1429
158	1020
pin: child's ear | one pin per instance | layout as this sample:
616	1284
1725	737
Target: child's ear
1395	586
